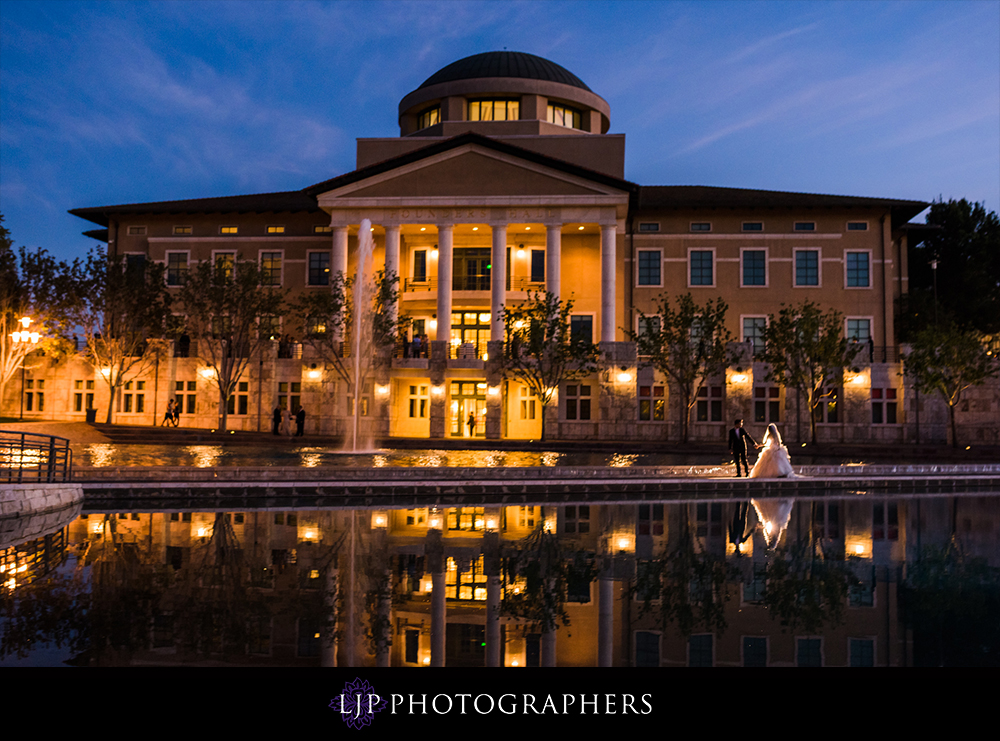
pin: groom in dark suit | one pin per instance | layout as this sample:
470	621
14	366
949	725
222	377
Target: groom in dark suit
738	440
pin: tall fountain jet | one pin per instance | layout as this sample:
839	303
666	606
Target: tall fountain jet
362	437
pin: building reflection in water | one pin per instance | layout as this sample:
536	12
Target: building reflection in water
837	581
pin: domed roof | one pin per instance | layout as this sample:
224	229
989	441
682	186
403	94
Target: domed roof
505	64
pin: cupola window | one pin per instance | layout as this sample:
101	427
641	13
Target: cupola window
429	117
495	109
561	115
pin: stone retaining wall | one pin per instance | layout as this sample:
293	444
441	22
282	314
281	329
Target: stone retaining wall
21	500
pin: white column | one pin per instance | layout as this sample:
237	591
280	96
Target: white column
498	280
605	620
444	271
338	253
439	624
608	240
553	257
392	263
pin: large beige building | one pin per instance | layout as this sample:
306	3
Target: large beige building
505	180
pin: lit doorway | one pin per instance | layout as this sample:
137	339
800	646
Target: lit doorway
468	397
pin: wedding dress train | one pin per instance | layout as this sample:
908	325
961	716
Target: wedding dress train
773	462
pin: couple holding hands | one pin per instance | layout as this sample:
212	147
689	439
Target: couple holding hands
773	462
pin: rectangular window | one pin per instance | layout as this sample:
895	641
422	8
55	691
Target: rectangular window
885	521
754	651
862	652
564	116
581	328
754	268
828	408
857	226
806	267
238	402
700	650
805	226
319	268
419	399
420	266
177	268
429	117
136	231
650	519
809	652
826	520
753	332
652	403
647	326
647	648
701	226
270	268
708	520
650	263
702	273
857	270
576	519
884	407
859	330
528	400
322	229
648	226
494	110
276	230
229	230
753	226
182	230
578	401
538	266
766	404
709	407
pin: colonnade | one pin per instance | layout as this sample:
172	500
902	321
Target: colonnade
499	267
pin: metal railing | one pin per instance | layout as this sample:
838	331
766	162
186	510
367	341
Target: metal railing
26	458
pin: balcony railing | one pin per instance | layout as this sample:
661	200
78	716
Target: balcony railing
471	283
29	458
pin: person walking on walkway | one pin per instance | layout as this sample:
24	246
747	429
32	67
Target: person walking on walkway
168	416
300	422
276	421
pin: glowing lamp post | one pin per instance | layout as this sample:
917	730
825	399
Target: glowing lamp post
26	337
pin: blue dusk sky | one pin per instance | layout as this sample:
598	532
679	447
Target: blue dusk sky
123	102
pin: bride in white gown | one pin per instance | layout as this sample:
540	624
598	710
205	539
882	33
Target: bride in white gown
773	462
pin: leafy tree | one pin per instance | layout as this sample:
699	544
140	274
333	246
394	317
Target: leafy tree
966	246
805	349
539	350
806	589
34	285
686	586
686	344
947	361
536	573
225	302
326	319
124	305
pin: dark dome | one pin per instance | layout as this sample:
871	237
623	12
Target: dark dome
505	64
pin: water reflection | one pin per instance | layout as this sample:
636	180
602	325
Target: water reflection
205	456
836	580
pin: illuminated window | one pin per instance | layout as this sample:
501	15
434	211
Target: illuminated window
225	261
270	268
182	230
466	518
564	116
429	117
419	398
276	230
229	230
494	109
528	401
466	585
322	229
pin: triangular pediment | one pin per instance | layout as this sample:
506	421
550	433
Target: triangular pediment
467	172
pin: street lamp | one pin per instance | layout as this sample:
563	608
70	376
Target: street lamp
26	337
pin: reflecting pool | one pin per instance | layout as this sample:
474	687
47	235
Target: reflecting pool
846	579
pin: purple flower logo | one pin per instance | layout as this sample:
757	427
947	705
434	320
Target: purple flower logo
358	703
